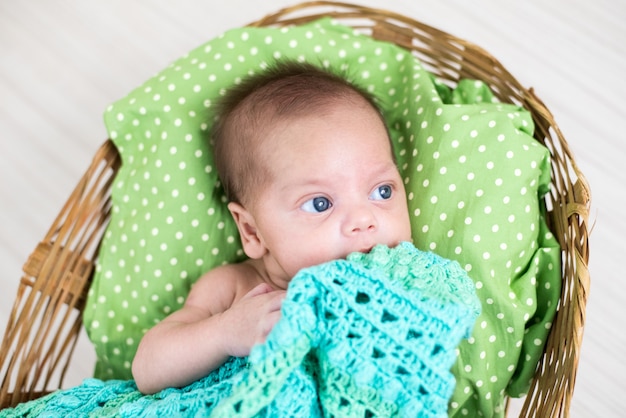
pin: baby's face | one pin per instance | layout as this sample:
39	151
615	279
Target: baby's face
335	190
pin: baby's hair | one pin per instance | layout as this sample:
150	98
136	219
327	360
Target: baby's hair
246	113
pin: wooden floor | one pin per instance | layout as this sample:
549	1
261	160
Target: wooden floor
63	62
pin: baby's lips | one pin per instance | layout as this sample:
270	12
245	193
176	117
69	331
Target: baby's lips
366	249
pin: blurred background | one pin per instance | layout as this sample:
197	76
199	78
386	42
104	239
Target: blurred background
62	62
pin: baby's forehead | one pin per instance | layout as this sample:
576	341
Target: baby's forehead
353	104
358	111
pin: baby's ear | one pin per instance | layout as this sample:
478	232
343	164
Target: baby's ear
250	239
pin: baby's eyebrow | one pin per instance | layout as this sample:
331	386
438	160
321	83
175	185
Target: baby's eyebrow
313	182
373	173
387	169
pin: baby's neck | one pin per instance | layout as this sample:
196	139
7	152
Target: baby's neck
266	274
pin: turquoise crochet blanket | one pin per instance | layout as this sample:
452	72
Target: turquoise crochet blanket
372	335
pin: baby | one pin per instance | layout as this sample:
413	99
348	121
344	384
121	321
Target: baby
308	168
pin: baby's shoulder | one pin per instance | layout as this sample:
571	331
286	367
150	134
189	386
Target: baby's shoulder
231	280
233	274
217	289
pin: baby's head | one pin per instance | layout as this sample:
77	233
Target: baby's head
250	110
307	164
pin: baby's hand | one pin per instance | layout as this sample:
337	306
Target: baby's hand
250	319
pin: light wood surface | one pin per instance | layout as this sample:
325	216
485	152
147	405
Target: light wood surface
63	62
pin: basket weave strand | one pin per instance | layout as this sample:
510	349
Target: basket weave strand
46	317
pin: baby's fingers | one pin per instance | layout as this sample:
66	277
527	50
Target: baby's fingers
276	300
258	290
268	323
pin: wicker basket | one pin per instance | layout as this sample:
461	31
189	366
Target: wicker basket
47	315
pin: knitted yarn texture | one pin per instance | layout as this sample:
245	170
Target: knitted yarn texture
373	335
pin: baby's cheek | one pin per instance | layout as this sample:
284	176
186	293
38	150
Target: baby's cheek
320	255
405	232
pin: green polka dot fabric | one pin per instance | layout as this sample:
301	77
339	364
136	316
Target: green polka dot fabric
474	177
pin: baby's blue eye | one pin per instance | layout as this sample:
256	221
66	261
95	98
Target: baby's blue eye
382	193
317	205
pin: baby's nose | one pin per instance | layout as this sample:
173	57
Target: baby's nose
360	220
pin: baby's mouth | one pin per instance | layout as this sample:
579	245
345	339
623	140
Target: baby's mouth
366	250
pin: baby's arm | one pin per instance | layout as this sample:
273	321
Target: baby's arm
215	323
